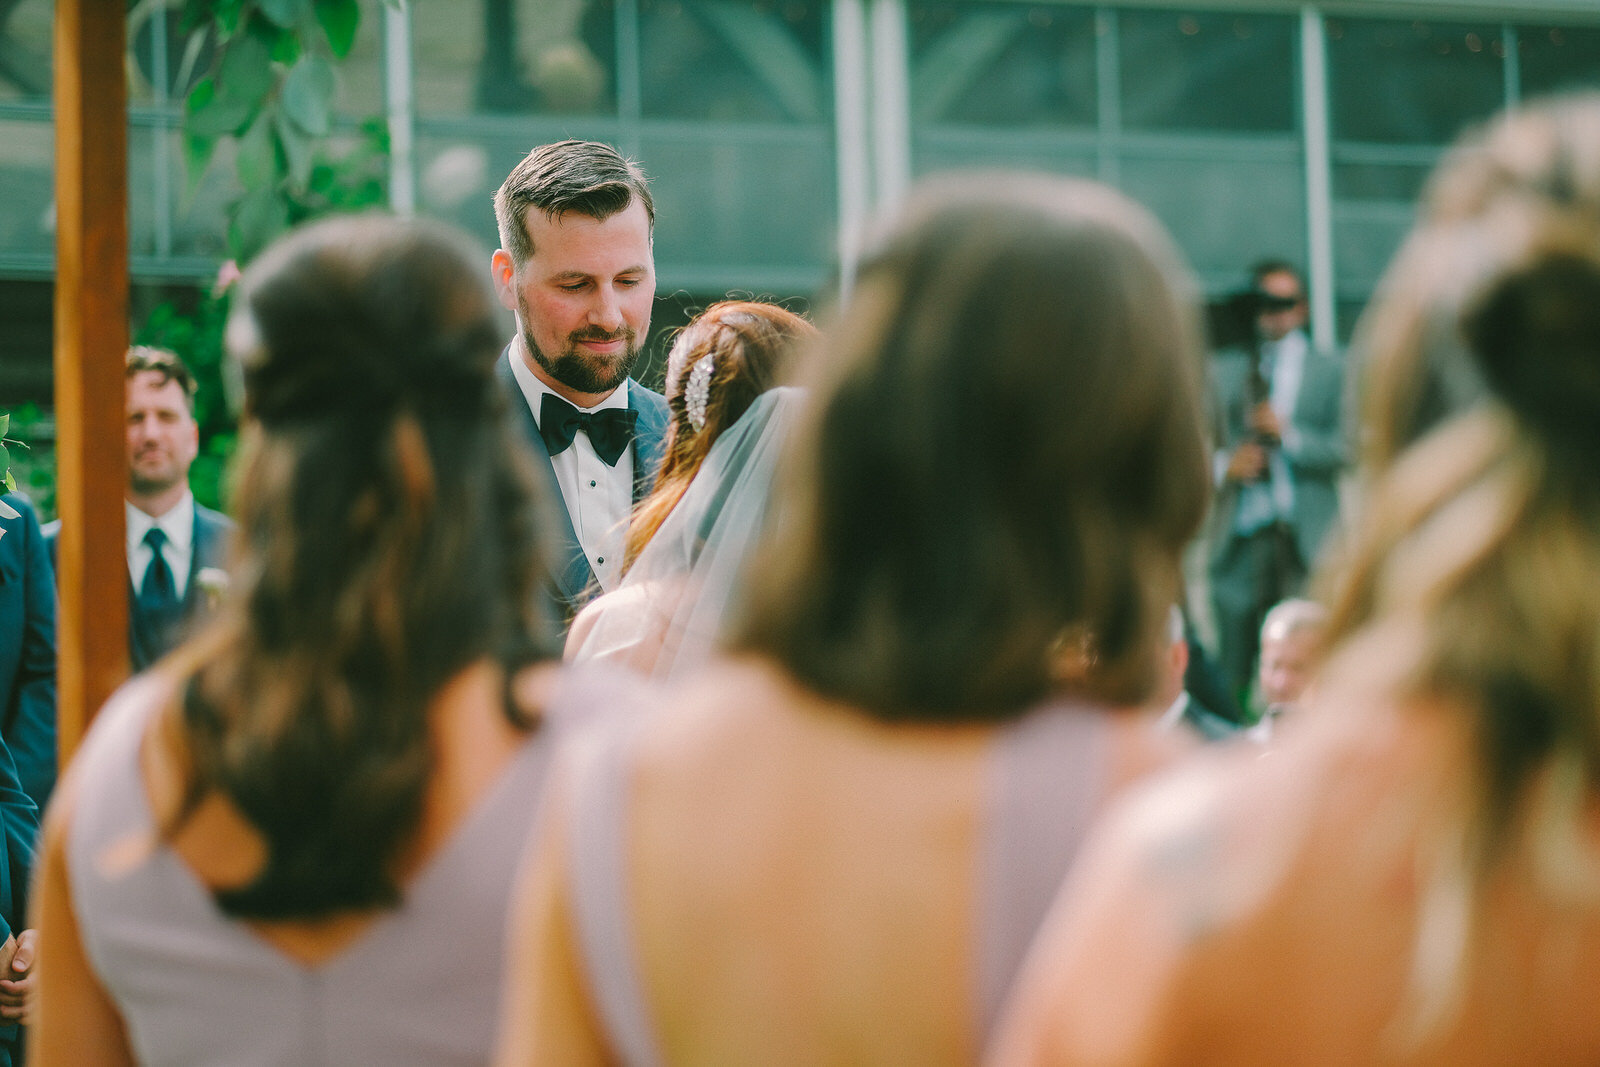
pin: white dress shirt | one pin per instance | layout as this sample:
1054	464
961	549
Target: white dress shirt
599	498
178	525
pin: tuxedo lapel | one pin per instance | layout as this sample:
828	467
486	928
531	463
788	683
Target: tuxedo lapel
573	575
648	439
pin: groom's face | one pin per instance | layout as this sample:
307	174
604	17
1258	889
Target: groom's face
583	298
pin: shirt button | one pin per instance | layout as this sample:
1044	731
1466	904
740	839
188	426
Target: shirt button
601	559
591	483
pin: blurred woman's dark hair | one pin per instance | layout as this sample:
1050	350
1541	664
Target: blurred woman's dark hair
1478	553
1005	458
387	540
742	348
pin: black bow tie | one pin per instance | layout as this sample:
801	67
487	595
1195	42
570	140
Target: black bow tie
609	430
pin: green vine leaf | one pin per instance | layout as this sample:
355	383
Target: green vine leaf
260	216
257	162
245	74
339	19
284	13
207	115
197	153
296	147
308	94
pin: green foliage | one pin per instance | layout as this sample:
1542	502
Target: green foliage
271	90
31	467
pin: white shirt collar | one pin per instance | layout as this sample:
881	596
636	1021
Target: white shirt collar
177	523
534	389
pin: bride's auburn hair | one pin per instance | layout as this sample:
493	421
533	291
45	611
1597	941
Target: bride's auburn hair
1004	460
744	348
388	538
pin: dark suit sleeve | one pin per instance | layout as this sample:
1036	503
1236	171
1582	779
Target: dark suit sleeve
21	820
29	729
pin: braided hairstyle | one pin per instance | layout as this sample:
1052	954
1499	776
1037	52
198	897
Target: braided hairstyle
387	533
1481	531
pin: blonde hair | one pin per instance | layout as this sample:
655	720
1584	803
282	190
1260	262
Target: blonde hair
1482	528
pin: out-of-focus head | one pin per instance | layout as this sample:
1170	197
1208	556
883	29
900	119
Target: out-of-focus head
1003	462
367	354
1495	286
388	541
1291	636
1281	293
161	435
1470	577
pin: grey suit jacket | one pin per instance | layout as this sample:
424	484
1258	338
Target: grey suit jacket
573	580
1316	457
147	640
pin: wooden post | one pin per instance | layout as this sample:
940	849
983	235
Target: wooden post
91	337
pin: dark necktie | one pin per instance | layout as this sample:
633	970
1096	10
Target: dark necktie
158	594
609	430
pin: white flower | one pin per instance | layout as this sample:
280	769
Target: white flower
213	583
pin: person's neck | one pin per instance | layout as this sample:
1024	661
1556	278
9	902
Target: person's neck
158	504
561	389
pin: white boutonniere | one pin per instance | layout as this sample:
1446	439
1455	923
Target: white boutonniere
7	512
213	585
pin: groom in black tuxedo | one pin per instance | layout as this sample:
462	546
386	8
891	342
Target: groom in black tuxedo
576	265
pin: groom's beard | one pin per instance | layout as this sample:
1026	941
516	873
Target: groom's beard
587	372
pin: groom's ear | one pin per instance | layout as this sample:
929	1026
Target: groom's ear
504	272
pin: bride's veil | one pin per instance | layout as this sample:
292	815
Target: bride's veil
667	615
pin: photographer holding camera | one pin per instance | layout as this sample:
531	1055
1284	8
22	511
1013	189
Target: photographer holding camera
1280	448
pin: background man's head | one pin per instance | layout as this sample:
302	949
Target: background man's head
161	435
578	269
1282	293
1290	636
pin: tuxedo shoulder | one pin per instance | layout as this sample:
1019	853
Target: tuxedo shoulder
211	517
643	396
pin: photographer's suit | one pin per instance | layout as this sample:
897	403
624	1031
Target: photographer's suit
1280	523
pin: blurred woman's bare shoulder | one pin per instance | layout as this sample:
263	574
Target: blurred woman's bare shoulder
1203	902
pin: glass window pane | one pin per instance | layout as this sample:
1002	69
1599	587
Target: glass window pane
1379	181
736	210
967	149
1187	70
361	72
1412	82
25	49
514	56
1221	229
1365	238
1001	64
27	187
733	60
1556	58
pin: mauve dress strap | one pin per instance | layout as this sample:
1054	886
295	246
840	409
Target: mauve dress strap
600	901
1047	773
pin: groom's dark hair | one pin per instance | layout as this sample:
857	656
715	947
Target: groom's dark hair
1004	461
577	177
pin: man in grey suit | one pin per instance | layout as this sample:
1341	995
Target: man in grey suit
578	270
177	548
1281	446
